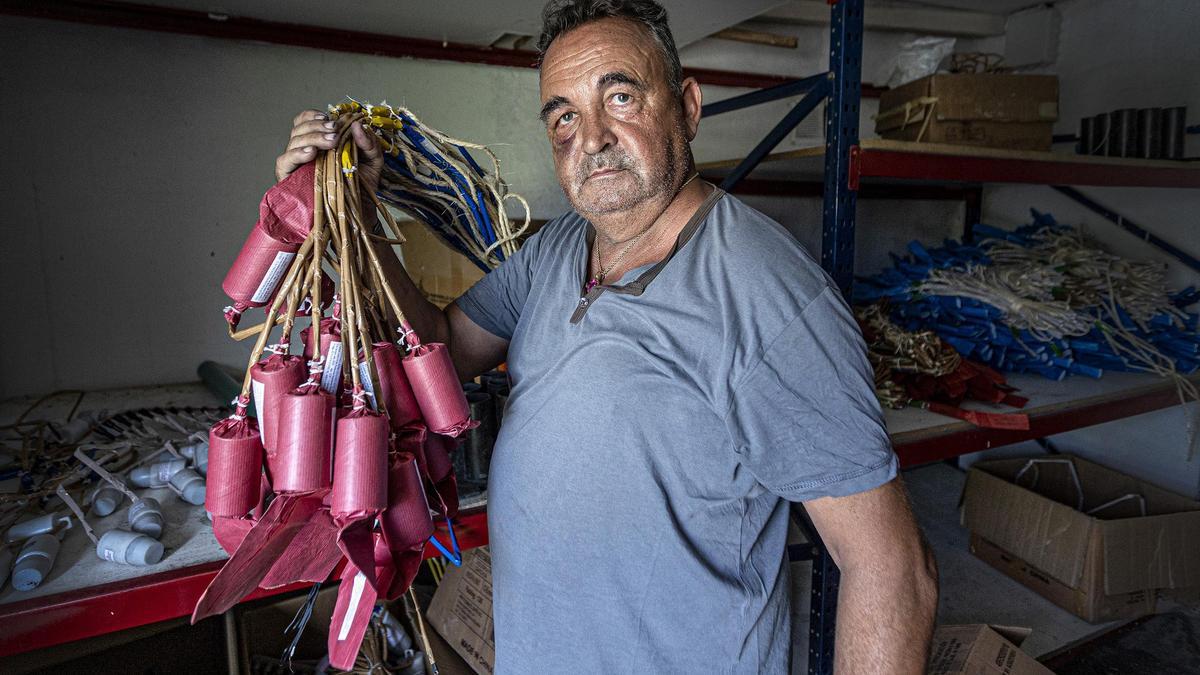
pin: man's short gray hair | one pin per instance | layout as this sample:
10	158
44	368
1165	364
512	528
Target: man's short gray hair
561	16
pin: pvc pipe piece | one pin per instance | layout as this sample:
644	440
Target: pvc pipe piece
129	548
34	562
43	524
189	485
156	475
145	517
200	458
106	499
6	558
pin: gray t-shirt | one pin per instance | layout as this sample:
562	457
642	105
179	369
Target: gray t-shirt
637	491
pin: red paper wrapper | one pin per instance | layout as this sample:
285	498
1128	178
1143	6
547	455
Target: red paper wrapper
360	472
397	394
435	384
256	272
440	469
302	458
235	456
311	555
406	522
272	378
263	545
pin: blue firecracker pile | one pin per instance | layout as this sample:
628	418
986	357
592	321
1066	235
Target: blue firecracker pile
977	330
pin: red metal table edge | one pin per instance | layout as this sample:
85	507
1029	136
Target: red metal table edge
1089	413
56	619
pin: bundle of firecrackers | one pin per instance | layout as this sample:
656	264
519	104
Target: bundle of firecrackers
1042	299
348	462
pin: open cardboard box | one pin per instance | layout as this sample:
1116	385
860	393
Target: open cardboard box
981	649
1070	530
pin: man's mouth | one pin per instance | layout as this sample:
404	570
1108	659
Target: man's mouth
603	172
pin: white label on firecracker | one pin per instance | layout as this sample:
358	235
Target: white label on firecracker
356	591
259	408
364	374
109	555
333	368
271	279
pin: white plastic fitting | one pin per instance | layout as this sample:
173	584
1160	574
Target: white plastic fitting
145	517
43	524
129	548
34	562
189	485
105	499
156	475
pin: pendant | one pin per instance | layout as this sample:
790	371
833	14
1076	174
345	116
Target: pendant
592	283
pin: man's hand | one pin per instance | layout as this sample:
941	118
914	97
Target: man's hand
888	594
312	130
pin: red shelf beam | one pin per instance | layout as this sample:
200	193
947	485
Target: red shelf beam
1104	409
75	615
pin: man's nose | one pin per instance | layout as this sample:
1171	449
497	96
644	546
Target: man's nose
596	134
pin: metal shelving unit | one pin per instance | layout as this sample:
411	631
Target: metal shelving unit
846	165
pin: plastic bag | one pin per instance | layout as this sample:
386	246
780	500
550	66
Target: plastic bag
919	58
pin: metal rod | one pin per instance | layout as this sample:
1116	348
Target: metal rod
753	98
1129	226
801	110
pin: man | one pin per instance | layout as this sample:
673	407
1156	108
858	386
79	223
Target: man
682	370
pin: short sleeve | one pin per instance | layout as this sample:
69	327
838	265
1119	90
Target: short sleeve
804	420
495	302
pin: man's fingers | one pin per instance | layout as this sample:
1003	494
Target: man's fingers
313	127
308	116
321	139
291	160
366	141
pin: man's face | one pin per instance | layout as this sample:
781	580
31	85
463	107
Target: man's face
616	128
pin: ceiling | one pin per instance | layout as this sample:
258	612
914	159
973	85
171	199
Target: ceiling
476	22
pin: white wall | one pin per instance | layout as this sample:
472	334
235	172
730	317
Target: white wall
134	164
136	160
1122	54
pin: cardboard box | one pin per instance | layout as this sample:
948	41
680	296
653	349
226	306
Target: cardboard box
981	649
1016	112
1113	564
461	610
440	272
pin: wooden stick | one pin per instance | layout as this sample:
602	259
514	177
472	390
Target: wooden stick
757	37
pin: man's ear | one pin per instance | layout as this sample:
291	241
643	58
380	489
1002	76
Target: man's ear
692	100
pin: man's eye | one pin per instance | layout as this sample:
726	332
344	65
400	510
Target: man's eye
622	98
566	118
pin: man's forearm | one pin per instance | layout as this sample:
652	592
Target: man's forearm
426	318
885	619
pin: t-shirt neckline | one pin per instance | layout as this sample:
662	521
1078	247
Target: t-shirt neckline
639	285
